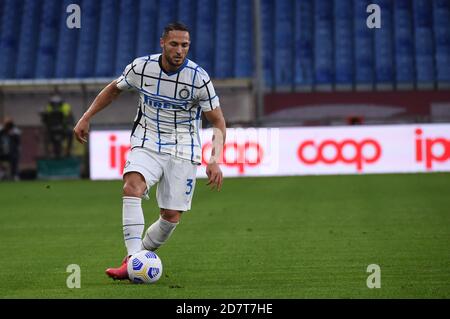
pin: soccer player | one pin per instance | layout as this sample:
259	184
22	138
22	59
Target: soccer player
165	142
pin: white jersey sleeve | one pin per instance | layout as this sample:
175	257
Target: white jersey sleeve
208	99
128	80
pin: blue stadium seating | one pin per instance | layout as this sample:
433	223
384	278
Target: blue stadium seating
205	31
9	43
244	41
441	18
267	18
424	44
343	42
323	42
106	50
126	37
283	57
1	15
29	32
48	40
364	56
146	37
303	30
404	42
224	36
383	50
87	43
304	42
67	46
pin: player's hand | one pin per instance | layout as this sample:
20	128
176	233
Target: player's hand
81	131
215	176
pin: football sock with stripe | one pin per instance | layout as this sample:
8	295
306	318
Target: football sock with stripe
157	234
133	223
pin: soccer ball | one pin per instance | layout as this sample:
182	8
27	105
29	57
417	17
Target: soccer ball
144	267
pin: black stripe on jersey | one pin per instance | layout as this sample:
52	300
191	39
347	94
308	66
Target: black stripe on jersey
138	120
169	80
204	83
143	70
209	95
191	133
159	82
176	86
145	132
131	69
175	123
125	75
162	133
176	135
145	125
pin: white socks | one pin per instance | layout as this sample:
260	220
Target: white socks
157	234
133	223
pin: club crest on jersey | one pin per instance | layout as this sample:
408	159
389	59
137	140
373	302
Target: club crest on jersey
184	93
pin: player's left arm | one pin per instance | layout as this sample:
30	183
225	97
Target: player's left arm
217	120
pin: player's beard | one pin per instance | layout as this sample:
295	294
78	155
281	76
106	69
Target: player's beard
172	62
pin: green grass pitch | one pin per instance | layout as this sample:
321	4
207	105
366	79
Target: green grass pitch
289	237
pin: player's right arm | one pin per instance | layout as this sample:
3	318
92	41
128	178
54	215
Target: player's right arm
103	99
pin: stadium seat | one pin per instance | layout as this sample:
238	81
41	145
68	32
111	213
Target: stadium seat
323	42
29	32
283	57
9	38
441	18
67	47
243	60
48	39
383	50
205	31
107	36
364	57
267	18
404	42
224	40
303	33
87	43
146	35
1	15
126	37
424	44
343	42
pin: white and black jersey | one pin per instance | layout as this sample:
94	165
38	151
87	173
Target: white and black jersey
170	106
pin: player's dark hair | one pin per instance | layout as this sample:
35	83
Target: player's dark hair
174	26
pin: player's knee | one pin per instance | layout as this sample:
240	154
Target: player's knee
133	190
172	216
134	185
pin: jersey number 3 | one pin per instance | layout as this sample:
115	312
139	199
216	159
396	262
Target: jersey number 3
189	184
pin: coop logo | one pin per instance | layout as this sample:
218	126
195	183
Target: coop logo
347	151
117	154
239	155
430	150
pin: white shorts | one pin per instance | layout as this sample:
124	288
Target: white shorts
175	177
